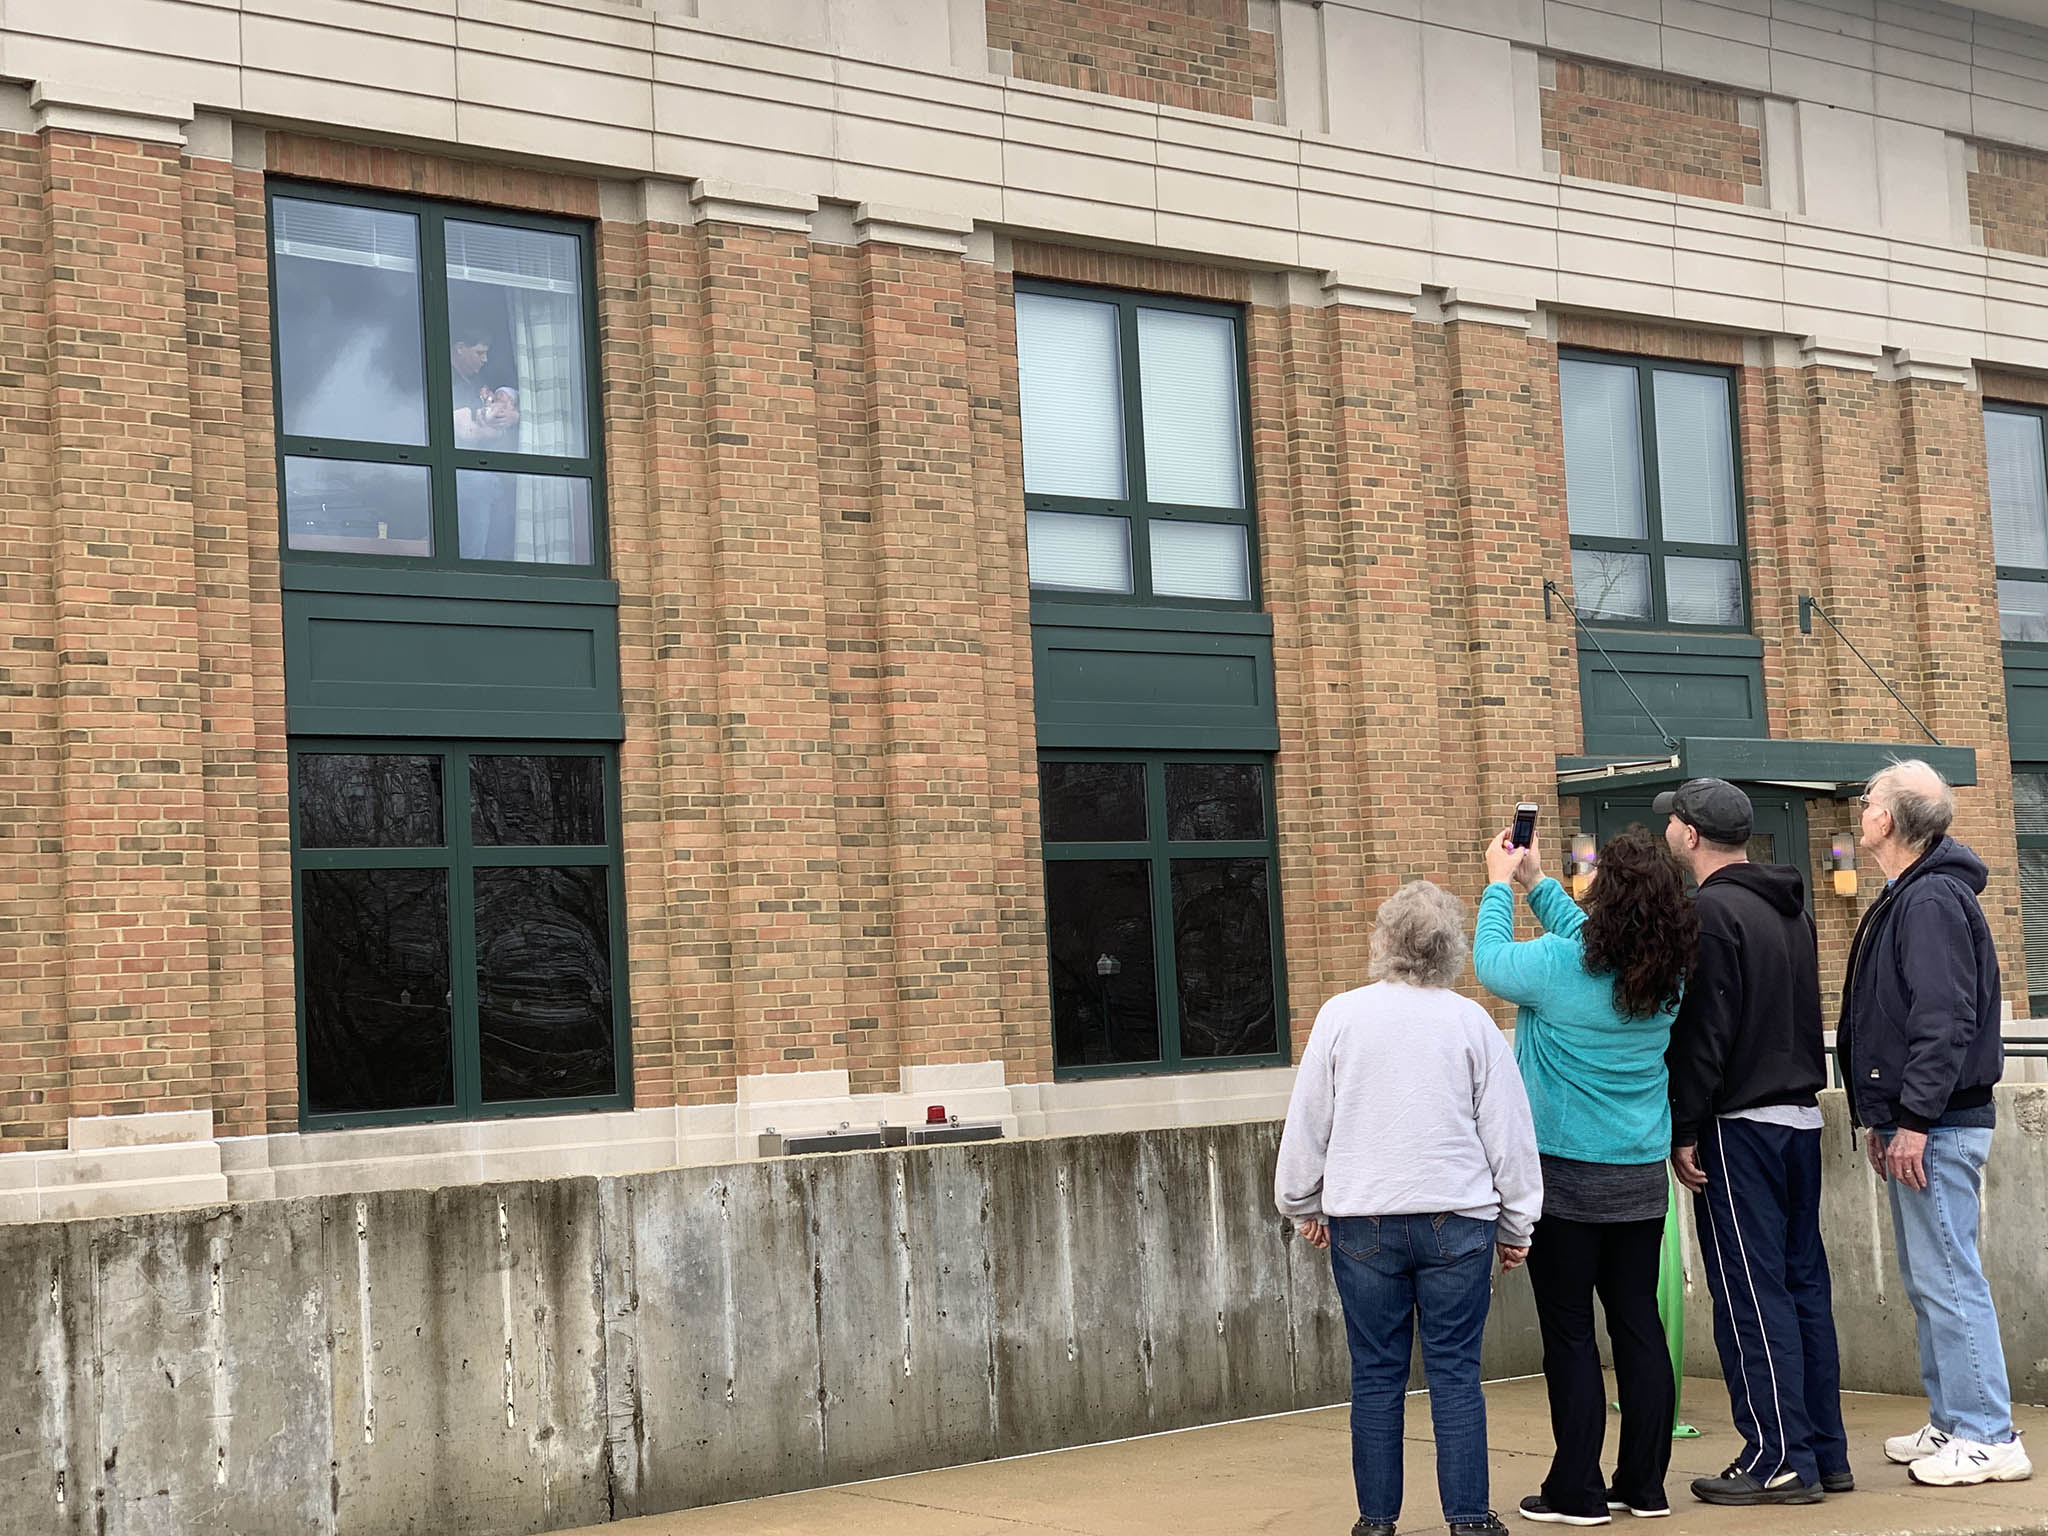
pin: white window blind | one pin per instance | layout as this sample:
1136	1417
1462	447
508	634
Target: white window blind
511	258
1072	398
1603	456
2019	489
1187	368
1695	458
1702	591
1200	560
1075	552
355	237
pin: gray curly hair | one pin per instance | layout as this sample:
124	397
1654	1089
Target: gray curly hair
1419	937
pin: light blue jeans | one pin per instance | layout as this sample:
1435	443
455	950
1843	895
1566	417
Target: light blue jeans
1962	1361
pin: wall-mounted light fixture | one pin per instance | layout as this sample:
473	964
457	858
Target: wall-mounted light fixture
1579	867
1842	860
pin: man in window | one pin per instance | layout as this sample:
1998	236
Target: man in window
1921	1053
486	410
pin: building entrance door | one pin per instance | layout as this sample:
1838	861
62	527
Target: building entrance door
1779	836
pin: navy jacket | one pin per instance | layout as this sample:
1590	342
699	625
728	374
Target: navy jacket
1919	1034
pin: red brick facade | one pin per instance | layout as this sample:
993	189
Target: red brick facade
813	477
1643	130
1199	54
2009	198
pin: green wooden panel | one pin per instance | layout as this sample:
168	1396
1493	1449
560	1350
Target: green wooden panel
1118	685
2026	701
1696	684
357	664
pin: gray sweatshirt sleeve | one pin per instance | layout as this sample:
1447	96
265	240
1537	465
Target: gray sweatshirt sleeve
1298	1177
1509	1136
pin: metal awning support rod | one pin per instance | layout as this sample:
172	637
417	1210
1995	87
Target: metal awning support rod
1550	587
1809	606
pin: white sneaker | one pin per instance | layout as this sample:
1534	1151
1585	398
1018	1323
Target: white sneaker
1965	1461
1907	1449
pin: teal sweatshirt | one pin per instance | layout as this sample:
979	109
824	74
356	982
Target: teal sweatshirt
1595	1079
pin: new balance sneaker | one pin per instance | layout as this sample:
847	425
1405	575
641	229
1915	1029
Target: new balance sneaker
1907	1449
1533	1508
1736	1486
1965	1461
1656	1511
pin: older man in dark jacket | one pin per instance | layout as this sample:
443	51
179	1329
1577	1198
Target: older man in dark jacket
1920	1049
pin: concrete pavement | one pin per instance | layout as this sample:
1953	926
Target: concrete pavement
1293	1474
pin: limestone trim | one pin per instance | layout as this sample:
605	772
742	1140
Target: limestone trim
77	108
729	202
1478	307
917	229
1358	291
1934	367
1851	355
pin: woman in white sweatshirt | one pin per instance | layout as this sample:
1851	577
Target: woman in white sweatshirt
1409	1154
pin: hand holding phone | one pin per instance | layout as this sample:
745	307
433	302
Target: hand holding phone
1524	831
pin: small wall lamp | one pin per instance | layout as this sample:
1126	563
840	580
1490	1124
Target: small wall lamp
1579	867
1842	860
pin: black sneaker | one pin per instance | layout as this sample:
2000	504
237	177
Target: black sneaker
1533	1508
1843	1481
1490	1526
1367	1527
1736	1486
1644	1511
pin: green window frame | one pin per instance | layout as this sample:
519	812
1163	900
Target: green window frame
460	859
1654	547
1076	1017
1137	508
2016	447
2030	827
441	456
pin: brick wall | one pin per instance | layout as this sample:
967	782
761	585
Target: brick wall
1643	130
814	491
2009	198
1199	54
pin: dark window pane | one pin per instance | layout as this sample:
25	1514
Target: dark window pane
2034	918
527	802
1223	950
1210	801
544	983
369	800
1105	990
2030	811
374	954
1092	802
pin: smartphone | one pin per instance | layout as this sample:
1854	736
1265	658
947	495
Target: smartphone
1524	832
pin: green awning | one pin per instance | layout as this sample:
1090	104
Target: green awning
1820	767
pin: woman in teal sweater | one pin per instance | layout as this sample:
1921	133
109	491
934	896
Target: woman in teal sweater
1596	993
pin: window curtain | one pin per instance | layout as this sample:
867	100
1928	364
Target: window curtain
550	360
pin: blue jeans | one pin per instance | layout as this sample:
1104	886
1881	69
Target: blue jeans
1962	1362
1389	1269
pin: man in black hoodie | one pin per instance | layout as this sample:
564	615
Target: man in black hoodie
1746	1061
1921	1051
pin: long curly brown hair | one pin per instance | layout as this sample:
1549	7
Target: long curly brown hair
1640	924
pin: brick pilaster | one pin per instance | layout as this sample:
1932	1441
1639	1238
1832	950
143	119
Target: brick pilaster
127	636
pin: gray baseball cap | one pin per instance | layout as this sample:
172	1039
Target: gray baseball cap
1714	808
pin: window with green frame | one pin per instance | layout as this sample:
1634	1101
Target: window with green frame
2019	518
459	930
1136	448
436	384
2030	821
1162	911
1653	488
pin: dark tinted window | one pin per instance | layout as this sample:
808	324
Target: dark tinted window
1092	802
369	800
1211	802
1223	957
529	801
544	983
1105	989
374	953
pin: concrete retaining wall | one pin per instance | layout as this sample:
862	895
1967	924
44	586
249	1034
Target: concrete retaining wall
526	1357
